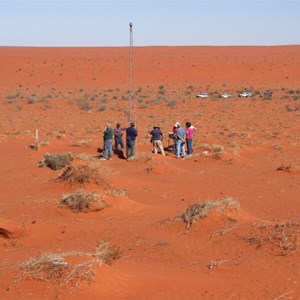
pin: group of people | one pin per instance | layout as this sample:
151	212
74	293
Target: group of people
117	133
180	136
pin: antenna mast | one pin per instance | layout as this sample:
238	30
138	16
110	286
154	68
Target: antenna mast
131	98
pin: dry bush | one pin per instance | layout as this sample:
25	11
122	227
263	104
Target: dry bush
117	192
81	174
81	201
107	253
62	269
215	151
281	239
201	210
56	161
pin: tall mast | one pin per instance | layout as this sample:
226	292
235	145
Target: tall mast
131	96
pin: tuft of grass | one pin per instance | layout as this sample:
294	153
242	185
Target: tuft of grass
281	239
84	104
81	201
117	192
61	269
201	210
57	161
80	174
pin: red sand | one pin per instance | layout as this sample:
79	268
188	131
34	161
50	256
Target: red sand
160	259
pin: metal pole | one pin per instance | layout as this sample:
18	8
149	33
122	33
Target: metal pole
131	100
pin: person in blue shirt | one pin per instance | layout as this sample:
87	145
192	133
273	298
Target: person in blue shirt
180	141
131	135
156	139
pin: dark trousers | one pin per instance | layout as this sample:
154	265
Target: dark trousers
129	148
189	143
119	141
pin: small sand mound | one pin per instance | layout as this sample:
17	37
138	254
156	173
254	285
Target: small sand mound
81	201
10	230
56	161
82	174
201	210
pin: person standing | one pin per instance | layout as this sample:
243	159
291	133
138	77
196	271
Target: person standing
156	139
180	141
131	135
189	137
175	127
107	137
118	137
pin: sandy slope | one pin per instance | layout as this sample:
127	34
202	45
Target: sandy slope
250	252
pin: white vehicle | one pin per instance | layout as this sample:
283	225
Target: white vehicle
202	95
226	95
245	95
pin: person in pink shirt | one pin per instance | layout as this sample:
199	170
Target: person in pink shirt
189	137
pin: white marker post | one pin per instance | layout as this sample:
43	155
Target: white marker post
36	139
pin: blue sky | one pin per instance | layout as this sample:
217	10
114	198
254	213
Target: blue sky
105	23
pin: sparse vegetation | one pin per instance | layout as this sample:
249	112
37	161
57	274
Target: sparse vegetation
81	201
73	175
280	239
56	161
201	210
61	269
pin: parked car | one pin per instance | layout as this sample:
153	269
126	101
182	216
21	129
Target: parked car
245	95
202	95
266	94
226	95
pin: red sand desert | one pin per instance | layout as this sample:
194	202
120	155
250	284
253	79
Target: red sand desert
137	244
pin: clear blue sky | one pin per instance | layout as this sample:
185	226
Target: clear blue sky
105	23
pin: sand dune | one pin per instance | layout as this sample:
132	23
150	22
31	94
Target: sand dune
244	149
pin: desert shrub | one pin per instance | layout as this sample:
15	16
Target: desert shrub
102	108
280	239
80	174
107	253
32	100
157	100
117	192
57	161
127	112
80	201
13	95
143	105
201	210
83	104
93	97
61	269
172	103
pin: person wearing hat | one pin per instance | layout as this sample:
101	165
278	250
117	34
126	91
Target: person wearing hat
156	140
118	133
131	135
175	127
180	141
107	137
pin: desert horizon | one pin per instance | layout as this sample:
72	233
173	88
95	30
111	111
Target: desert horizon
220	224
